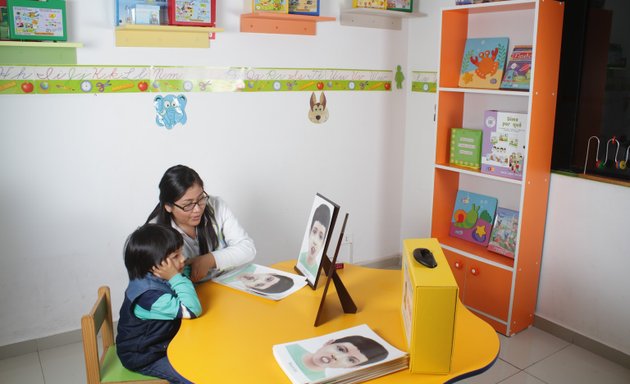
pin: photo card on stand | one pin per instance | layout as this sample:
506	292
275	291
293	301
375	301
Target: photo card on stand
319	227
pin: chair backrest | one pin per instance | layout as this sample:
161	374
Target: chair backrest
99	320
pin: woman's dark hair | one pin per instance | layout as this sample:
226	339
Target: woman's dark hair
174	184
148	246
283	284
368	347
322	214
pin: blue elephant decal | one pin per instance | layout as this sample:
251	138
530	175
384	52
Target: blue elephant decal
171	110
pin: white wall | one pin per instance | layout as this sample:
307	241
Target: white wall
586	260
80	172
420	129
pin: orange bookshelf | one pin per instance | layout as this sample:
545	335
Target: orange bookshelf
499	289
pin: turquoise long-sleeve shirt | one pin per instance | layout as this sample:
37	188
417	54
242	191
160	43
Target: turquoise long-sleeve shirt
156	305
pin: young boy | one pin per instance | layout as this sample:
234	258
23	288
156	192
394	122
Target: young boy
157	298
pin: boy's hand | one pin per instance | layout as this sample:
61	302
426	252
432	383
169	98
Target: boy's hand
166	270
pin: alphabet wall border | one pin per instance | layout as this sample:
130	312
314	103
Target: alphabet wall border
86	79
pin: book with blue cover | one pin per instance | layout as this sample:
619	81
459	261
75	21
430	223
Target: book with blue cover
483	62
519	68
473	216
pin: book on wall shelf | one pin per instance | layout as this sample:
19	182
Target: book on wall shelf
503	149
400	5
465	147
504	230
277	6
467	2
483	62
473	215
304	7
376	4
359	355
518	69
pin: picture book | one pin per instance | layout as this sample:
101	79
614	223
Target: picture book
400	5
504	142
378	4
504	230
304	7
192	12
262	281
473	216
147	14
465	149
483	62
35	20
350	355
518	69
278	6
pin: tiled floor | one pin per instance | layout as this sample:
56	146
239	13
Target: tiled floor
530	357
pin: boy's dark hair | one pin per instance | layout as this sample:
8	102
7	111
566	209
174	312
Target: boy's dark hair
283	284
321	214
148	246
368	347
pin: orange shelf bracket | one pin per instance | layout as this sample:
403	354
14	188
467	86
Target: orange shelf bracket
281	23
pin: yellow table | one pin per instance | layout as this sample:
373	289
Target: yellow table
231	341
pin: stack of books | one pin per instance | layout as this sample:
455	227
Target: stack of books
351	355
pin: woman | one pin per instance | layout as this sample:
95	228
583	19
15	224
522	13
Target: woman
213	239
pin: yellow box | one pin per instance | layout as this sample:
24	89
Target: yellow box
428	309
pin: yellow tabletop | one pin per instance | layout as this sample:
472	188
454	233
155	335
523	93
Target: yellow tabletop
231	341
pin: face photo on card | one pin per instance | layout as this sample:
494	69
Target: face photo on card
316	238
263	281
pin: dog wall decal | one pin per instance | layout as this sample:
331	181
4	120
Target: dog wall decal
318	113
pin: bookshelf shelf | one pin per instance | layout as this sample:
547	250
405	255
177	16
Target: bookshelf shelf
475	173
498	92
501	290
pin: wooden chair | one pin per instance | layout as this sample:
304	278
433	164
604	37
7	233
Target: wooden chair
106	368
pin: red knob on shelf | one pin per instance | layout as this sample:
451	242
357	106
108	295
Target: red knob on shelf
474	271
458	265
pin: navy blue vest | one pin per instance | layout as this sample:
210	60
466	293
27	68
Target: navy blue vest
142	342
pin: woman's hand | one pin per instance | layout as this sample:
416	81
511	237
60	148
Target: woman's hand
166	270
200	266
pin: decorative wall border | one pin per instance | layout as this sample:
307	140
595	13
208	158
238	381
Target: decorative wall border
424	81
34	79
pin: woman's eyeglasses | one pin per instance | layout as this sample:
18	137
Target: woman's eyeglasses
203	200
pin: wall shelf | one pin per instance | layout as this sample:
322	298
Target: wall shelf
375	18
173	36
38	52
281	23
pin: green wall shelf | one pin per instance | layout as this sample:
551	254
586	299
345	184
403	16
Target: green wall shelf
35	52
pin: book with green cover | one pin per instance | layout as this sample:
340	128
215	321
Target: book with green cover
466	147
